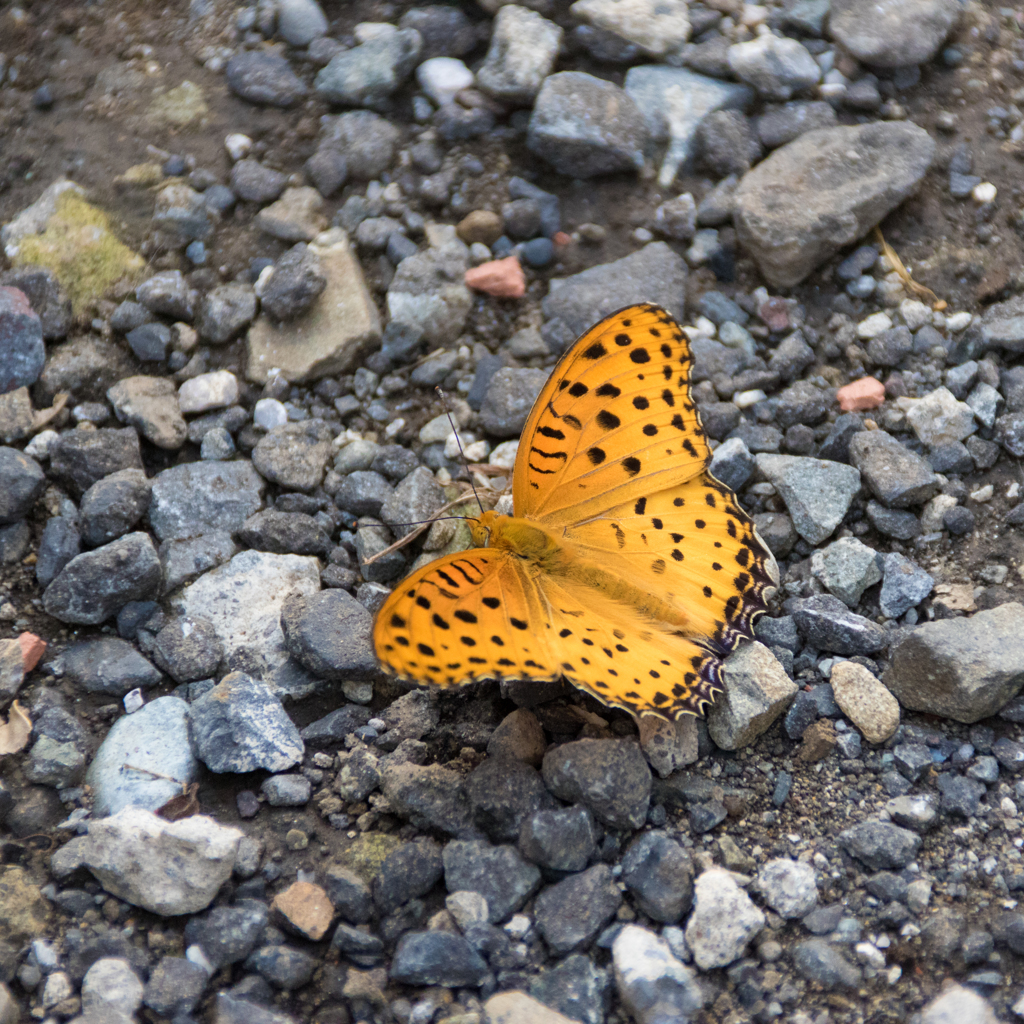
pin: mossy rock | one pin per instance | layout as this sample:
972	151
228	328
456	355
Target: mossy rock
80	248
367	853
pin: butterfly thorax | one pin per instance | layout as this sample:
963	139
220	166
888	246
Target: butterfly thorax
542	553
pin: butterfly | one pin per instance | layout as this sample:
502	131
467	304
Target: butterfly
626	569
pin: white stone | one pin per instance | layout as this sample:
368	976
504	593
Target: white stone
477	451
984	401
757	692
242	600
269	413
504	454
869	954
915	314
653	985
874	325
442	77
133	701
746	399
938	418
215	390
846	568
468	908
984	192
983	494
658	27
436	430
957	322
931	515
56	989
111	985
958	1005
165	867
724	920
523	50
238	146
788	886
39	446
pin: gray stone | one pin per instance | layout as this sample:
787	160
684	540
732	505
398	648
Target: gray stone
59	543
297	282
186	560
367	75
113	505
415	500
819	961
46	295
330	634
428	294
226	311
654	274
150	404
571	913
199	498
788	887
295	455
299	22
239	726
253	182
846	568
21	483
431	797
167	294
522	53
561	840
898	477
960	668
788	121
817	493
264	78
283	532
724	920
659	874
79	457
107	665
652	983
674	101
611	778
509	399
574	987
809	199
776	66
437	958
827	624
188	650
893	35
175	986
584	126
367	141
498	873
95	585
904	586
155	738
880	845
22	351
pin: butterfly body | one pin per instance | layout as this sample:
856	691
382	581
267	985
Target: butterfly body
626	567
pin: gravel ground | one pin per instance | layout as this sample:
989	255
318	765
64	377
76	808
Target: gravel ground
242	247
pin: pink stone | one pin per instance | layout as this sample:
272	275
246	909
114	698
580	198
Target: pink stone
503	279
866	393
32	648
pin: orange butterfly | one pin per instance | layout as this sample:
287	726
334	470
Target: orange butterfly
627	568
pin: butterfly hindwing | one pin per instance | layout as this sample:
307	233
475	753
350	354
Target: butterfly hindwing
462	618
615	415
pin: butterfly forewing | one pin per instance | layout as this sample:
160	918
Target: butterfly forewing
616	414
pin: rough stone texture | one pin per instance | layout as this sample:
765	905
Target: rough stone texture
572	912
723	922
165	867
653	984
809	199
81	457
585	126
961	668
150	404
865	701
893	33
757	691
654	274
658	28
199	498
330	634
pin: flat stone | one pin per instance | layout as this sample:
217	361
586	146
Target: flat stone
756	692
572	912
809	199
657	28
827	624
893	34
368	74
165	867
437	958
201	498
515	1007
498	873
905	585
242	599
150	404
263	78
960	668
817	493
521	55
330	634
847	567
898	477
653	274
79	458
295	455
880	845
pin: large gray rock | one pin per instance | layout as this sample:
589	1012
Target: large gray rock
367	75
584	126
199	498
892	33
964	669
1002	326
812	197
654	274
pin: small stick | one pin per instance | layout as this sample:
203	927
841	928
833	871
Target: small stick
908	282
156	775
420	527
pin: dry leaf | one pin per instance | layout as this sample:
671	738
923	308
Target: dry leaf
182	806
15	732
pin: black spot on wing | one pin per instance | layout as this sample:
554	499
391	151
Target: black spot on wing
608	420
608	391
595	351
596	456
640	402
579	389
640	355
640	506
631	465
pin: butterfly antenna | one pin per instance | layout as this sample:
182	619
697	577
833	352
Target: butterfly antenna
458	441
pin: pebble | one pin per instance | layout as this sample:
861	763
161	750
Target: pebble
610	778
788	886
880	845
521	55
504	279
299	22
111	986
651	982
498	873
897	476
194	499
572	912
559	840
93	586
47	298
868	704
905	585
245	711
659	875
22	480
515	1007
895	37
776	66
329	634
175	986
436	958
817	493
724	920
262	78
819	961
959	668
827	624
216	390
846	568
585	126
253	182
658	29
368	74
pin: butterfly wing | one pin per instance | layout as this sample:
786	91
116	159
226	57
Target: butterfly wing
615	417
693	546
626	661
469	616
